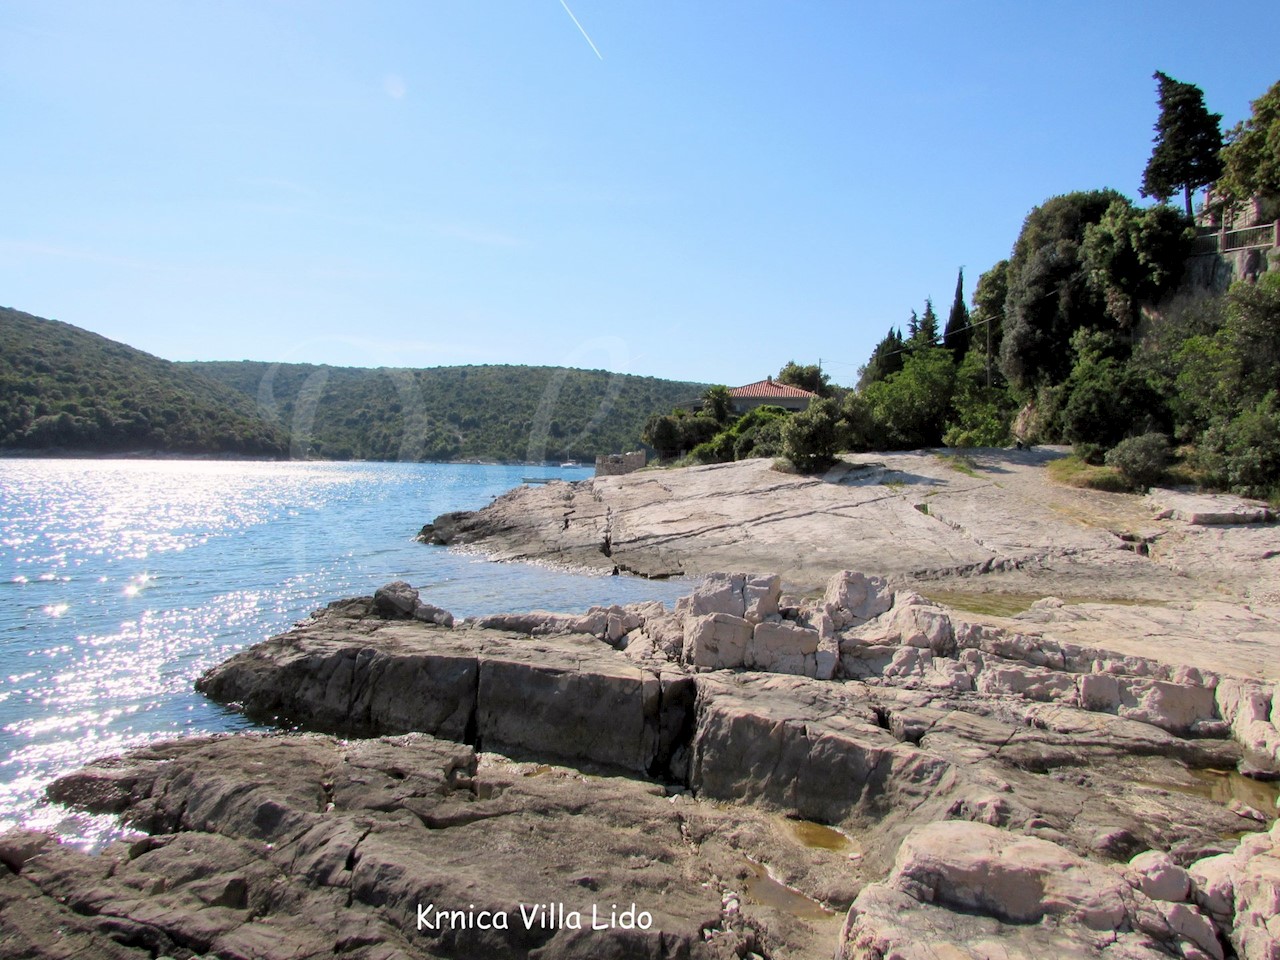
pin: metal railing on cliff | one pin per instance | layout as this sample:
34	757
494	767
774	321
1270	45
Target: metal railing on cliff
1247	238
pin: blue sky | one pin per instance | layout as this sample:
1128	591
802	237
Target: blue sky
727	186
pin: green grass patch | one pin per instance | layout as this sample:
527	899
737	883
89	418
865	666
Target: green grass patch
960	462
1074	472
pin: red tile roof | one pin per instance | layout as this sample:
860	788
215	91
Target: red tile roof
768	389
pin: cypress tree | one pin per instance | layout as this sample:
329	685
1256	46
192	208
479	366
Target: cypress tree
956	337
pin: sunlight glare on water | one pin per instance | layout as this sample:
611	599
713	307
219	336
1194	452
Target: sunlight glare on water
123	580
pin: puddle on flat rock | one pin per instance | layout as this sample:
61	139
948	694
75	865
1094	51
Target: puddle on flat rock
818	836
1012	604
762	889
1225	787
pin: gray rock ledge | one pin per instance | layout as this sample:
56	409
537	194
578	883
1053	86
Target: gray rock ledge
982	790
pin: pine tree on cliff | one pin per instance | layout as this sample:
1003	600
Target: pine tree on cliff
1188	142
956	336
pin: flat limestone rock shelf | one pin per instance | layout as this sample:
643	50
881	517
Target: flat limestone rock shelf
991	792
990	521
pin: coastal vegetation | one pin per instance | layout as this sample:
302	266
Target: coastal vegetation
1093	333
62	387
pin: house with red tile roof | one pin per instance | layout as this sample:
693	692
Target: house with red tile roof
769	391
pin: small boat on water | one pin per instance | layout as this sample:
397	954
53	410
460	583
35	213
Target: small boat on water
570	463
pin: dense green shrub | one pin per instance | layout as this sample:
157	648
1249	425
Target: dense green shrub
810	438
719	449
1243	453
762	440
982	415
1106	398
1141	460
759	433
910	407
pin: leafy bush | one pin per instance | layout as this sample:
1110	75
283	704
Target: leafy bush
911	406
810	438
1105	395
719	449
763	439
1140	460
982	414
1243	454
857	425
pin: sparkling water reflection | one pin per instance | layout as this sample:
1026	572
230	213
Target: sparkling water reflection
121	581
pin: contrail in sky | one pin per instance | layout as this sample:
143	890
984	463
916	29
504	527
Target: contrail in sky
580	30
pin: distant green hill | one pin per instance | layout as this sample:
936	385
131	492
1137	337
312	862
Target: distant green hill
509	413
62	387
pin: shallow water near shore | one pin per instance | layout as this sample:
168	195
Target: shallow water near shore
122	581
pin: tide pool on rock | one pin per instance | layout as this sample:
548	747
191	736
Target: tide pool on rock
122	580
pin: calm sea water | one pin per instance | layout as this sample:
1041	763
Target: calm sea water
122	581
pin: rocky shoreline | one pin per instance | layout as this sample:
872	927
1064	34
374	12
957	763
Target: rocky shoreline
863	772
988	521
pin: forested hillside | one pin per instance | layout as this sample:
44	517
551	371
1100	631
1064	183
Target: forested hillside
62	387
451	413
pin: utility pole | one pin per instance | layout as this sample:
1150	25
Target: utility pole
988	353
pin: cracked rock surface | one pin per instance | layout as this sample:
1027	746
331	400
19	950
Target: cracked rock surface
303	845
998	525
866	772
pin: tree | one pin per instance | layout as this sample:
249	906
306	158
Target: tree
911	406
1049	294
886	359
718	404
809	377
1251	158
1188	142
927	334
987	318
663	434
1107	398
1135	256
981	414
956	335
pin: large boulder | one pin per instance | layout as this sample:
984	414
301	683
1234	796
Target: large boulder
853	598
1241	891
716	641
971	890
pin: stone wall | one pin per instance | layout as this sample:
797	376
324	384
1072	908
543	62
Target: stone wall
616	464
